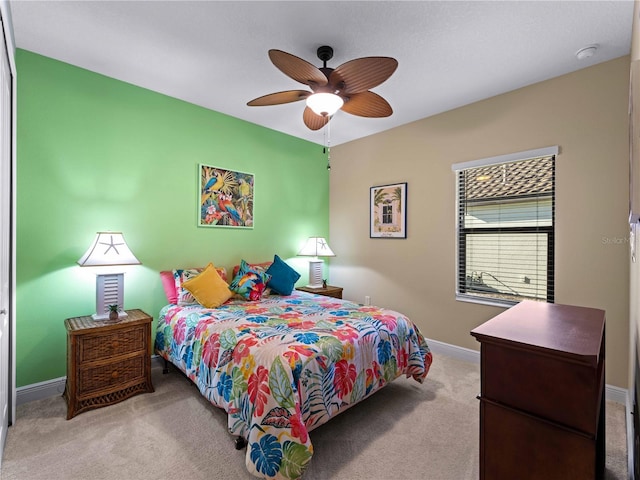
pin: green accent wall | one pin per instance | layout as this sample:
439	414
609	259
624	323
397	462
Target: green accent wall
98	154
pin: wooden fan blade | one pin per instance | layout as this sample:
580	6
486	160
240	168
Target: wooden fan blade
298	69
279	98
362	74
313	120
367	104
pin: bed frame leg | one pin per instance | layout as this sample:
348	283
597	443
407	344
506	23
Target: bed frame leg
240	443
165	370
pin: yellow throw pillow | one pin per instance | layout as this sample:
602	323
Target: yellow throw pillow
208	288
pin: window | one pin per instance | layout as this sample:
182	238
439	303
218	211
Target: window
505	228
387	213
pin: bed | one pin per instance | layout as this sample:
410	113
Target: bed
282	365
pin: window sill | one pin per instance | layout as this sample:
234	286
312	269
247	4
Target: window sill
485	301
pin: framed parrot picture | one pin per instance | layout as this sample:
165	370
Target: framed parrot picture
226	198
388	211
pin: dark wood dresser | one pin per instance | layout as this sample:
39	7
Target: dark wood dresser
542	406
107	361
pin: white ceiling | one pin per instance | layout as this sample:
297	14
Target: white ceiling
214	53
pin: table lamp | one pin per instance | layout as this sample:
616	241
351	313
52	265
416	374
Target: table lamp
316	247
108	249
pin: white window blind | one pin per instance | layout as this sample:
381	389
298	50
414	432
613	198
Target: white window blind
505	229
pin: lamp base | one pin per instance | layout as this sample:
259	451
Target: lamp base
315	273
109	291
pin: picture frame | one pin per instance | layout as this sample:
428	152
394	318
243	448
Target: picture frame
388	211
226	197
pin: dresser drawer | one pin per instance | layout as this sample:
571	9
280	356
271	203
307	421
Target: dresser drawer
106	345
111	375
565	392
525	447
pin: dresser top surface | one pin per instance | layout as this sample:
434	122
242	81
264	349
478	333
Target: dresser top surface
76	324
566	329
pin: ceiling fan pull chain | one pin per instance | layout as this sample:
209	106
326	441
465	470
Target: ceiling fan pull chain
327	130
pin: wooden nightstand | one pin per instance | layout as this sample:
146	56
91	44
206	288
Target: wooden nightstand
328	291
107	361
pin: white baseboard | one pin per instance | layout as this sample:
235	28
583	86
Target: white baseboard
54	387
630	446
616	394
40	390
461	353
612	393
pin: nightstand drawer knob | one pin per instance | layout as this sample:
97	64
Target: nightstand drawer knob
115	374
114	344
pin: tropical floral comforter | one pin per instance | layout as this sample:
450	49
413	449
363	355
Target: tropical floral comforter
284	365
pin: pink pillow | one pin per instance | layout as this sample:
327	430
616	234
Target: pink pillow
169	285
223	273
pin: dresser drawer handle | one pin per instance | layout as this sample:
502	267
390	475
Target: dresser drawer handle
115	374
114	344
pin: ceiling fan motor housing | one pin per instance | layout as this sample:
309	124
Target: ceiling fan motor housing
325	53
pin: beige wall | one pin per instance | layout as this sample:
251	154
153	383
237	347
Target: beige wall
585	113
634	274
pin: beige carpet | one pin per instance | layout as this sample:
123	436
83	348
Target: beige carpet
405	431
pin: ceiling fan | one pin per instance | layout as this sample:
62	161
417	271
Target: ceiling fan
344	88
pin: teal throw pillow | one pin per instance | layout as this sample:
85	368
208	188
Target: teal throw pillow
283	277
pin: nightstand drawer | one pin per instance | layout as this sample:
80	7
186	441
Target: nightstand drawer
337	293
101	377
96	347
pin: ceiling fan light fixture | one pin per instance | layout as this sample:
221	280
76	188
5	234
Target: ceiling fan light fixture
324	104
